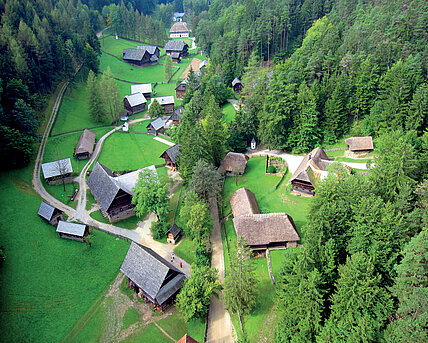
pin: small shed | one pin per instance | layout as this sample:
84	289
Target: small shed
176	116
58	172
173	234
50	213
175	55
358	146
170	156
237	85
134	103
73	231
156	126
234	162
167	103
143	88
85	145
187	339
180	90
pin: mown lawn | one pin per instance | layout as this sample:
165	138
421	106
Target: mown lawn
229	112
46	283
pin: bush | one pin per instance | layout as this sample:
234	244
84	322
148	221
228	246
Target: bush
271	170
159	229
202	258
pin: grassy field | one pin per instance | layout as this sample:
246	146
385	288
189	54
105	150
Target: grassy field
228	112
47	283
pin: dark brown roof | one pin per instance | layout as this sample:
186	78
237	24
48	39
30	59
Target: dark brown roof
175	231
359	143
243	202
86	143
187	339
172	152
264	229
235	162
315	160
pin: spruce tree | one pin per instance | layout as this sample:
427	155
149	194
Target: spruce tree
96	104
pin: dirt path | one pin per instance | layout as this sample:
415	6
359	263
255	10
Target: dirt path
235	103
220	327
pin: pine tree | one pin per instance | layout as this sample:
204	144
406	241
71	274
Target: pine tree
155	109
96	105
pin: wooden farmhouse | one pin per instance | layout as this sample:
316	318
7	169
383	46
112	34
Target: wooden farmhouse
144	55
177	49
358	146
74	231
134	103
187	339
85	145
170	156
50	213
143	88
261	231
152	277
114	192
310	170
156	126
234	163
179	29
173	234
237	85
167	103
58	172
176	116
180	90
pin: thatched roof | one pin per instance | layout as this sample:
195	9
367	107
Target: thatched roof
86	143
315	162
243	202
57	168
359	143
179	27
153	274
235	162
264	229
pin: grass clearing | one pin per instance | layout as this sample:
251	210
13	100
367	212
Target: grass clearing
186	250
229	112
131	316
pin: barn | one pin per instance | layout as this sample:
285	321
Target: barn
85	145
142	56
167	103
170	156
134	103
176	46
156	126
58	172
143	88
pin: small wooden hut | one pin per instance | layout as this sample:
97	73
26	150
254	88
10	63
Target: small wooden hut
170	156
134	103
177	46
358	146
173	234
156	126
234	163
50	213
167	103
58	172
73	231
85	145
180	90
176	116
237	85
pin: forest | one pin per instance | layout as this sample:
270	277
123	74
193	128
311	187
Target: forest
314	72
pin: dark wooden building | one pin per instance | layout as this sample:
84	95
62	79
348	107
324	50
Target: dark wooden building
180	90
134	103
234	162
58	172
152	277
156	126
176	116
173	234
142	56
50	213
170	156
74	231
143	88
312	168
358	146
237	85
178	47
85	145
167	103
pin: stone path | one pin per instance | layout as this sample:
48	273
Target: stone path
164	141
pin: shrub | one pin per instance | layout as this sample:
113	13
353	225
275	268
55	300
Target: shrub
271	170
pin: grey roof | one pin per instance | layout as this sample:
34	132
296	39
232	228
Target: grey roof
86	142
133	54
174	230
179	110
57	168
235	81
165	100
136	99
203	64
178	14
173	152
151	49
154	58
175	45
149	271
71	228
157	124
253	140
46	211
141	88
175	54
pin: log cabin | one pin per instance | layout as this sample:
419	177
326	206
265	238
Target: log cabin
177	46
143	88
237	85
50	213
134	103
151	277
58	172
173	234
144	55
73	231
176	116
85	145
170	156
359	146
167	103
156	126
180	90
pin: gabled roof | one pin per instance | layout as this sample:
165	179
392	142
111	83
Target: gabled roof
235	162
203	64
128	181
243	202
175	45
235	81
172	152
360	143
165	100
136	99
86	142
151	49
133	54
174	230
71	228
175	54
153	274
46	211
57	168
157	124
261	229
179	27
141	88
178	14
312	164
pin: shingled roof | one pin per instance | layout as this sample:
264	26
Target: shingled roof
157	124
151	49
46	211
172	152
71	228
315	162
243	202
165	100
359	143
264	229
179	27
57	168
86	143
158	278
174	230
141	88
136	99
133	54
235	162
175	45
